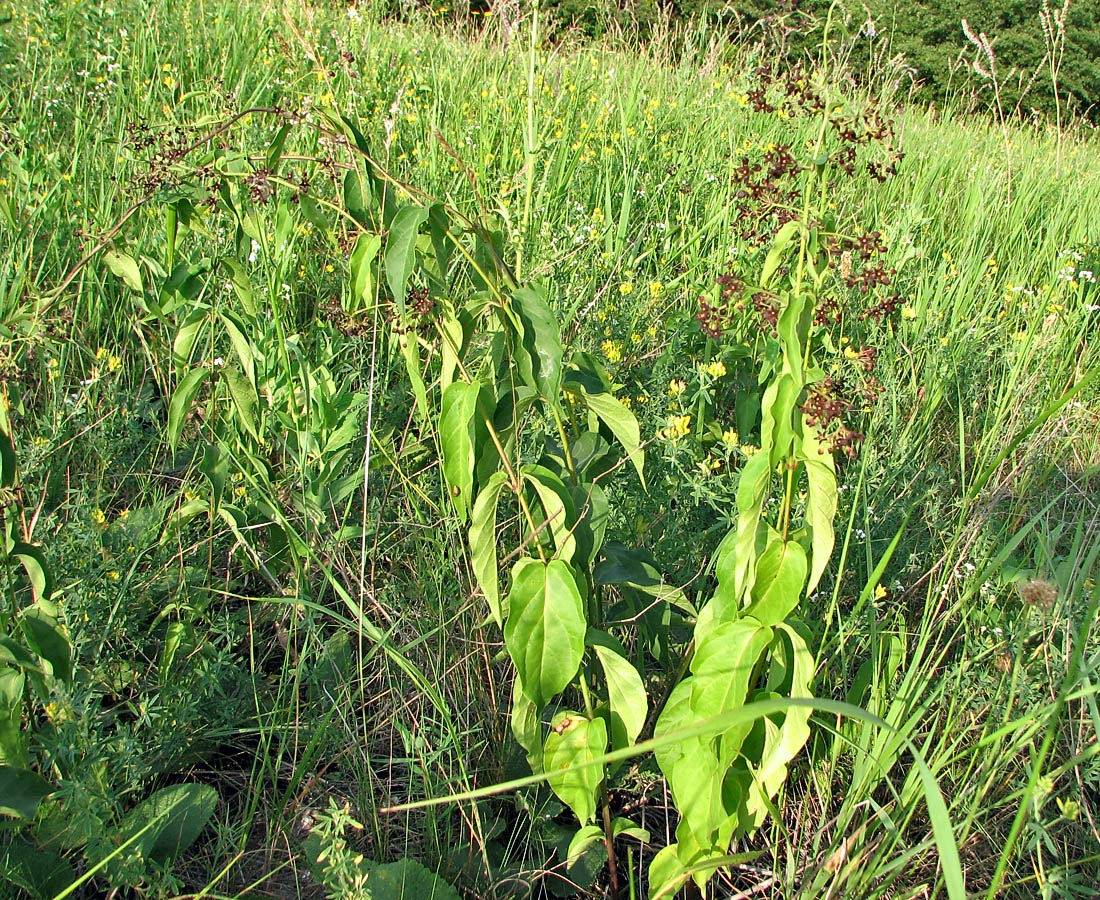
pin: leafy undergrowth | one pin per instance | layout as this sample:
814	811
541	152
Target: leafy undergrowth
289	302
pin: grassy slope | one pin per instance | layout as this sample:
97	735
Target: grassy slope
628	218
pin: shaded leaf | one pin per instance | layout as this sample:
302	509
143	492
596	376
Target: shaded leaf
48	639
541	339
183	397
582	840
407	879
483	543
21	791
178	815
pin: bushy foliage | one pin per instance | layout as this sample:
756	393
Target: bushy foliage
927	36
930	36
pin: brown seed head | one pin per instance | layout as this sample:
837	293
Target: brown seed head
1040	593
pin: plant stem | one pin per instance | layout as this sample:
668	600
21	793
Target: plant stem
605	800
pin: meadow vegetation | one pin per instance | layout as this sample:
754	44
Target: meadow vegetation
446	461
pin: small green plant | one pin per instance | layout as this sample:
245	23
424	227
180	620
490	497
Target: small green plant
347	875
35	653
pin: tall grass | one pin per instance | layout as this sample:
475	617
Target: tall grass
368	678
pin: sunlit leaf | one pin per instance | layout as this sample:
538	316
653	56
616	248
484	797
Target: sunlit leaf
626	697
400	255
777	587
545	628
456	440
574	741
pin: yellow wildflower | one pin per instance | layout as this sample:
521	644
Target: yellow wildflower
678	427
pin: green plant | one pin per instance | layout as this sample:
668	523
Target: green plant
34	645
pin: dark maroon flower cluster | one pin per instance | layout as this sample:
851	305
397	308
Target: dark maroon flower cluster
347	325
260	188
825	406
715	318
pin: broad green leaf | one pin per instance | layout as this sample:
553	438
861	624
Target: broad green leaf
406	879
541	339
592	511
314	213
723	666
15	654
238	337
626	697
623	424
527	726
178	636
125	267
451	346
183	397
782	743
737	564
634	568
621	826
439	225
777	587
778	252
582	840
557	505
357	199
362	269
275	148
690	765
48	639
574	741
180	813
483	543
242	286
21	791
544	633
33	560
187	335
666	873
13	745
410	355
675	716
777	428
244	399
821	504
8	466
489	272
401	251
456	440
36	868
